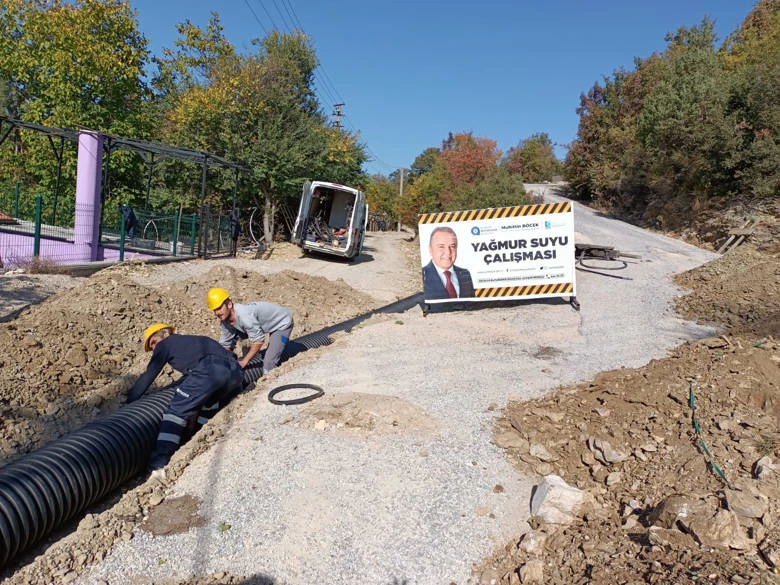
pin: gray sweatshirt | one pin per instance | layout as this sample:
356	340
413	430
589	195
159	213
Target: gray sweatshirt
254	321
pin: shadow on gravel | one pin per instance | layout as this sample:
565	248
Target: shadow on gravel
258	579
482	305
362	259
14	314
13	296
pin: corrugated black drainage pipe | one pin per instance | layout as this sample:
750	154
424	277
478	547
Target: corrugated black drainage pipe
254	369
54	484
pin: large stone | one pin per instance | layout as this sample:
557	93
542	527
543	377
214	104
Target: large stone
670	538
764	468
510	439
556	502
670	510
745	504
76	356
605	453
720	531
540	452
533	542
532	571
771	552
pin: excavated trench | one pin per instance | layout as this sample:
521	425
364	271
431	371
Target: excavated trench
54	484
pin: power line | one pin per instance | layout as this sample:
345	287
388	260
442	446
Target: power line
324	81
292	15
284	20
268	14
265	32
320	74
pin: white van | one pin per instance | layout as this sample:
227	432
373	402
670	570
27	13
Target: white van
332	219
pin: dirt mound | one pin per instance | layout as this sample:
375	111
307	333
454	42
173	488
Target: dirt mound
738	290
362	414
72	357
699	427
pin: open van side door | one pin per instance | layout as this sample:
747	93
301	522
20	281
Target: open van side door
358	225
365	227
299	231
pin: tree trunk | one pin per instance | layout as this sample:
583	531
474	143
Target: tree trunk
268	222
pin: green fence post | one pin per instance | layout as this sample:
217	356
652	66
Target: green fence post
173	237
121	238
37	240
192	234
16	201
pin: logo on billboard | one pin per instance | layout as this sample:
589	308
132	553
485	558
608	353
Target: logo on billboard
475	231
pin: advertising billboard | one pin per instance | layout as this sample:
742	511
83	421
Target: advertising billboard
520	252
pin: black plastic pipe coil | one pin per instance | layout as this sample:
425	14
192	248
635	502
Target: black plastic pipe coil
52	485
254	369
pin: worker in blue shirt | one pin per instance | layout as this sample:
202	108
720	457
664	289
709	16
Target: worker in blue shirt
211	378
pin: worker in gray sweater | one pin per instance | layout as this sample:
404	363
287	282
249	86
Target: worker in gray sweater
259	322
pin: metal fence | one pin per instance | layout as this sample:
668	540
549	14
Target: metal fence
144	232
40	230
34	234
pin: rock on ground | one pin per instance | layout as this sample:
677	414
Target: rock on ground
663	513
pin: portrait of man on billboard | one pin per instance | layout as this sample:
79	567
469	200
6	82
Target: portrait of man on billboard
443	280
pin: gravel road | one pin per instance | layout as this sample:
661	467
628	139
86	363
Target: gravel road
392	477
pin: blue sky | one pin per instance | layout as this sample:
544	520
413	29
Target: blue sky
409	72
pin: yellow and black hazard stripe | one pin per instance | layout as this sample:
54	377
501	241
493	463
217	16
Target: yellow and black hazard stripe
495	213
522	291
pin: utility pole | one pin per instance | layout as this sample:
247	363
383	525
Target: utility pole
401	193
338	114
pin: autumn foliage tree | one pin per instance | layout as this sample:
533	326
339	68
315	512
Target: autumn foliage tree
694	125
83	64
463	174
259	110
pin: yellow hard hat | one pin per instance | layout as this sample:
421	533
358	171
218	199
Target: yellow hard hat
215	298
151	330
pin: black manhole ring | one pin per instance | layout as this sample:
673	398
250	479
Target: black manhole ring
273	393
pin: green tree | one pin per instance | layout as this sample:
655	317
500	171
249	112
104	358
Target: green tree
259	110
422	196
683	125
71	64
751	57
533	159
423	163
688	124
382	196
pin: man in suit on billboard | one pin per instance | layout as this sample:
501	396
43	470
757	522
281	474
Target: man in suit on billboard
441	278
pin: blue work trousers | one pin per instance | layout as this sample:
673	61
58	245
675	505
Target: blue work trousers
201	392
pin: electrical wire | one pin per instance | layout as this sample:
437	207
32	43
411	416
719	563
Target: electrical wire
259	22
323	81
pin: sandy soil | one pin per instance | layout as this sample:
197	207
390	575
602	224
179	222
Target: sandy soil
68	357
657	510
53	381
